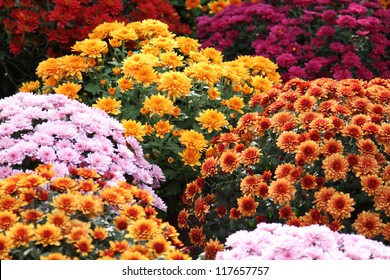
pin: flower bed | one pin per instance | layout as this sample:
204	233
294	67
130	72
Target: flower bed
307	39
80	216
311	152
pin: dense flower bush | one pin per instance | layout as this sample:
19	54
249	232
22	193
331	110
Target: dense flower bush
307	39
282	242
166	92
31	31
80	216
311	152
36	129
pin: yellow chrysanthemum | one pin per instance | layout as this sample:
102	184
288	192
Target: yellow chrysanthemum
171	60
191	157
29	86
91	48
261	84
187	44
193	140
51	67
159	104
134	128
124	33
143	229
204	72
236	103
74	65
217	6
145	75
108	105
211	120
103	30
68	89
176	84
164	43
125	84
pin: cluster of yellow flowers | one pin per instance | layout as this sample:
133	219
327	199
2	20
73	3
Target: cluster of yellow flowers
80	217
311	152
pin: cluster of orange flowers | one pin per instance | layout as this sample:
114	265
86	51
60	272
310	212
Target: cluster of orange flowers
311	152
80	217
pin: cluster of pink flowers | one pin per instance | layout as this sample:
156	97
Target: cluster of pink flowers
36	129
282	242
307	39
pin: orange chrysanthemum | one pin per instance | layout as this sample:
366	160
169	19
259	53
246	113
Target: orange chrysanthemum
340	205
7	219
352	130
279	120
100	233
305	103
201	208
211	248
247	205
286	212
177	255
113	195
382	200
63	184
209	167
197	236
84	246
371	183
308	182
159	245
308	150
143	229
91	48
133	212
322	197
67	202
182	219
55	256
193	140
335	167
281	191
229	161
368	224
57	218
48	234
250	156
288	141
21	234
332	146
366	165
250	185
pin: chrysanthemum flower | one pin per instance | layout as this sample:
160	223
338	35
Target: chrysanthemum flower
366	164
211	248
68	89
197	236
191	157
234	213
282	191
371	183
247	205
134	128
7	219
159	245
204	72
175	254
57	218
368	224
158	104
201	208
287	141
55	256
171	60
212	119
335	167
331	146
182	219
67	202
74	66
108	105
340	205
209	167
322	197
32	215
84	246
113	195
352	130
30	86
193	140
91	205
250	156
304	103
100	233
286	212
124	33
63	184
308	182
21	234
382	200
52	67
91	48
250	185
236	103
125	84
162	128
48	234
132	255
143	229
133	212
229	161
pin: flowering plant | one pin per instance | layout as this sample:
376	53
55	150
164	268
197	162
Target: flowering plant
307	39
311	152
54	129
31	31
167	93
283	242
80	216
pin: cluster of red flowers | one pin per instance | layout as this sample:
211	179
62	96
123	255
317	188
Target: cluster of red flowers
311	152
59	23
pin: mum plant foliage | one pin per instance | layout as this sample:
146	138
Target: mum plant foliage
307	39
310	152
31	31
53	129
282	242
80	216
170	95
